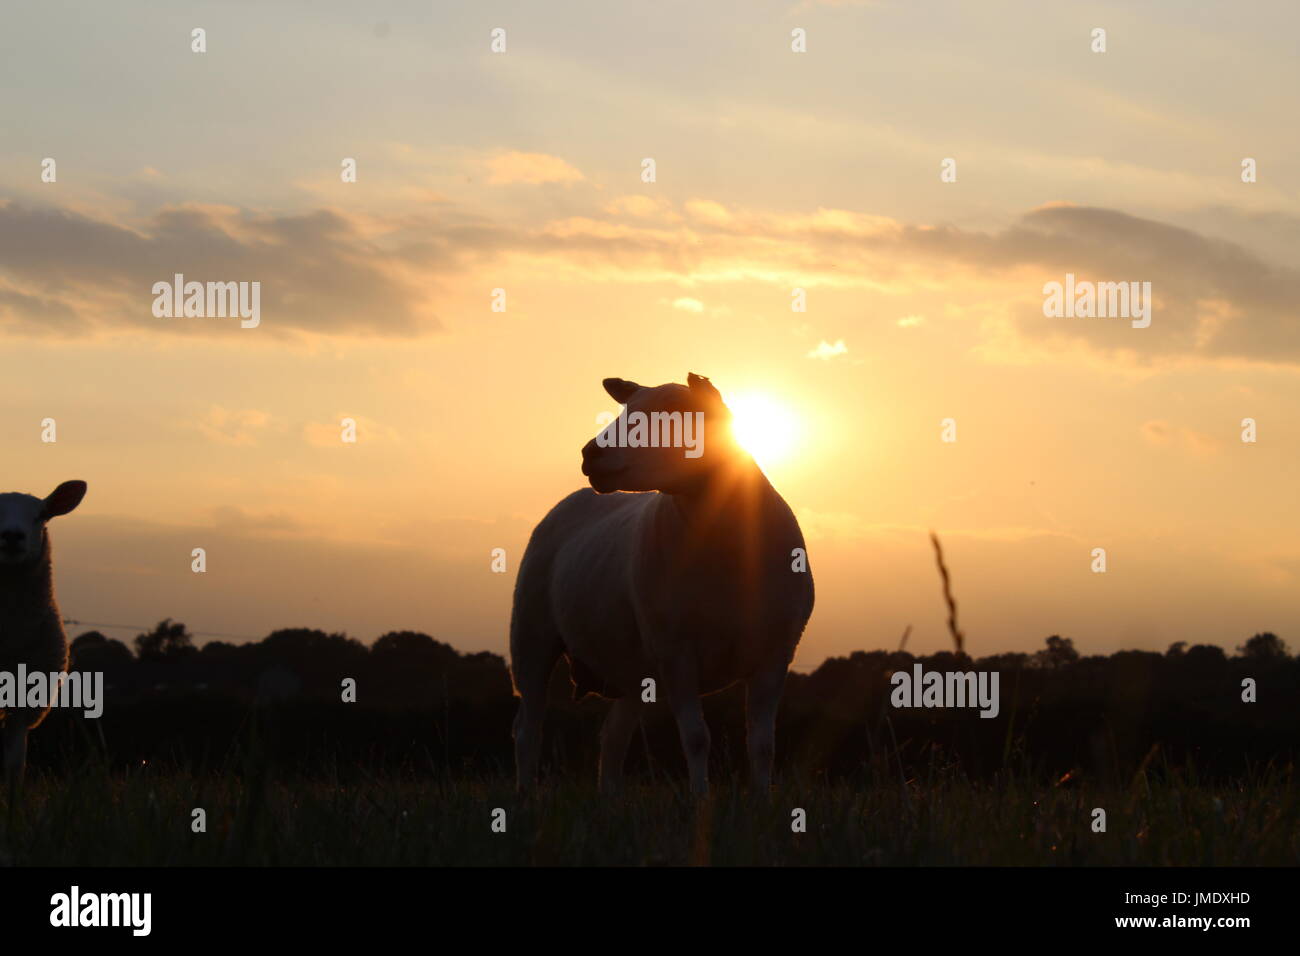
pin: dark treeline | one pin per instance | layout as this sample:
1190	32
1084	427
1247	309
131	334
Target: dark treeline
424	708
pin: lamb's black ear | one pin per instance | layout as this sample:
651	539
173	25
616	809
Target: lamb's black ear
620	389
63	499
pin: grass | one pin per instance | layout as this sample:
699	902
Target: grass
144	818
936	816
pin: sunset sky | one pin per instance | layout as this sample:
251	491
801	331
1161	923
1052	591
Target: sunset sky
775	170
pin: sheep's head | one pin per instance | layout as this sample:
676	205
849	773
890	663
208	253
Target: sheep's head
667	438
23	542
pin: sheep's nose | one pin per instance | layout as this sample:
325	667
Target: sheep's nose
12	537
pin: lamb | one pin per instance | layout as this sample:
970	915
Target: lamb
31	629
695	584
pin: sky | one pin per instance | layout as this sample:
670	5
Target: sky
775	170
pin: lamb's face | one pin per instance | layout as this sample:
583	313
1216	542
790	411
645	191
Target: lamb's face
23	542
22	530
683	433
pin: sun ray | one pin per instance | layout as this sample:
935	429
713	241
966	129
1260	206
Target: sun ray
764	427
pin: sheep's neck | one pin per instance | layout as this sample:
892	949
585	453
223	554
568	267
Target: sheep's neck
27	586
728	510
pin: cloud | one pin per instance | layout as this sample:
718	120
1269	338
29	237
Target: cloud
910	321
531	168
234	519
327	272
826	351
330	434
708	211
1213	299
1163	434
232	427
643	207
36	314
688	305
62	273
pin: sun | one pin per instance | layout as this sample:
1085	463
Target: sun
764	427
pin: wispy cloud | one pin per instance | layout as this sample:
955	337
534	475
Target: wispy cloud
336	273
232	426
825	351
330	434
1163	434
62	273
530	168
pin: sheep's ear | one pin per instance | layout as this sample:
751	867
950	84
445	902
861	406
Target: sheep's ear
63	499
700	384
702	388
620	389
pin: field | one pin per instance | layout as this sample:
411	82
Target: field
1187	772
94	818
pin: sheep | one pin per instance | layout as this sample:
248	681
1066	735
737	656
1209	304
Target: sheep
31	629
691	580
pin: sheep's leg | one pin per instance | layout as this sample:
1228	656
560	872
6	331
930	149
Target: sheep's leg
531	665
615	735
762	697
528	740
15	749
682	690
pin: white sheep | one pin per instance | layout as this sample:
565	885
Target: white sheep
31	629
696	586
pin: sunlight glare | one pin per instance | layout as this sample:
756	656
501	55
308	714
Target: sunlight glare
764	427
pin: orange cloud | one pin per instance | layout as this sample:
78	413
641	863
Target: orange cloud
330	434
233	426
1164	434
825	351
530	168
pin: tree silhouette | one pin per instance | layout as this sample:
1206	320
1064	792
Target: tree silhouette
425	706
1059	653
167	639
1206	656
93	651
1266	646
